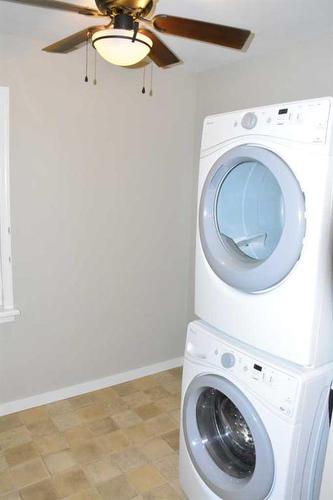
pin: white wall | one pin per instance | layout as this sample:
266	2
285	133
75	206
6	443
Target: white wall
299	73
101	182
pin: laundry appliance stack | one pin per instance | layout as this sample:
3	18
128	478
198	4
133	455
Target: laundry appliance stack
258	368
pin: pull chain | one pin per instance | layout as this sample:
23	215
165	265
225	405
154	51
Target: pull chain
95	68
151	80
144	81
86	79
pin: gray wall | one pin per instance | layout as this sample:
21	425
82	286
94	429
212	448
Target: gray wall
101	183
302	72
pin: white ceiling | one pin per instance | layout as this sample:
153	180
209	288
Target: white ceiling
277	24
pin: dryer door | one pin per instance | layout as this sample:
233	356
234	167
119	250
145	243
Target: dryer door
226	439
251	218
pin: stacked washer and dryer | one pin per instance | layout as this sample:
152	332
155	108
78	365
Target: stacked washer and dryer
258	367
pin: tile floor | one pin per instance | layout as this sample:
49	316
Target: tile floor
118	443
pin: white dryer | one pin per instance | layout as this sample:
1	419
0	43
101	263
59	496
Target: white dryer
264	231
253	428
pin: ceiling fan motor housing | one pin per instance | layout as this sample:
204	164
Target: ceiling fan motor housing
123	22
142	7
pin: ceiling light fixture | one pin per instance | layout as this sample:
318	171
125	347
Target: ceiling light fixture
121	46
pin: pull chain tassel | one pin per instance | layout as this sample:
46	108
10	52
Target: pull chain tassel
95	68
86	79
151	93
144	81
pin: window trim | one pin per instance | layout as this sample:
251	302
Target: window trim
7	309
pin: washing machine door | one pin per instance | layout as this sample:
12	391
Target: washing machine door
226	439
251	218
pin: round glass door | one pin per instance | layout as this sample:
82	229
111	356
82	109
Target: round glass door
226	439
250	210
251	218
226	434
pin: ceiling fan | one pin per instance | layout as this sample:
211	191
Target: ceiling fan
127	39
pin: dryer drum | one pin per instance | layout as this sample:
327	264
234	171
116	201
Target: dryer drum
227	436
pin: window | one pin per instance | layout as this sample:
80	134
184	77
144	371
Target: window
7	310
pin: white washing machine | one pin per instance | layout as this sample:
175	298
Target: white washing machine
253	428
264	238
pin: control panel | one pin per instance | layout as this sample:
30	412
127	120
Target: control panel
304	121
277	387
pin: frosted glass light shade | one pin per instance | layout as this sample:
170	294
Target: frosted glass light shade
116	46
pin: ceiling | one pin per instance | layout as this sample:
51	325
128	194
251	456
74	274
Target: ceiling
277	24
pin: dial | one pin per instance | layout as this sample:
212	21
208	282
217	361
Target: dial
249	120
228	360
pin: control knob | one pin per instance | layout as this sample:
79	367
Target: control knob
228	360
249	120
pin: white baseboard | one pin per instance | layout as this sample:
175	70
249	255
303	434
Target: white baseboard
92	385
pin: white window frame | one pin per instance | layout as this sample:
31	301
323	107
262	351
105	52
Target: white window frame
7	309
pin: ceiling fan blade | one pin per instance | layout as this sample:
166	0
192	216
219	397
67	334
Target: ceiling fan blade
160	54
73	42
54	4
199	30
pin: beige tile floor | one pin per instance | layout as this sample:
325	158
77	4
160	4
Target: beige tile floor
118	443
